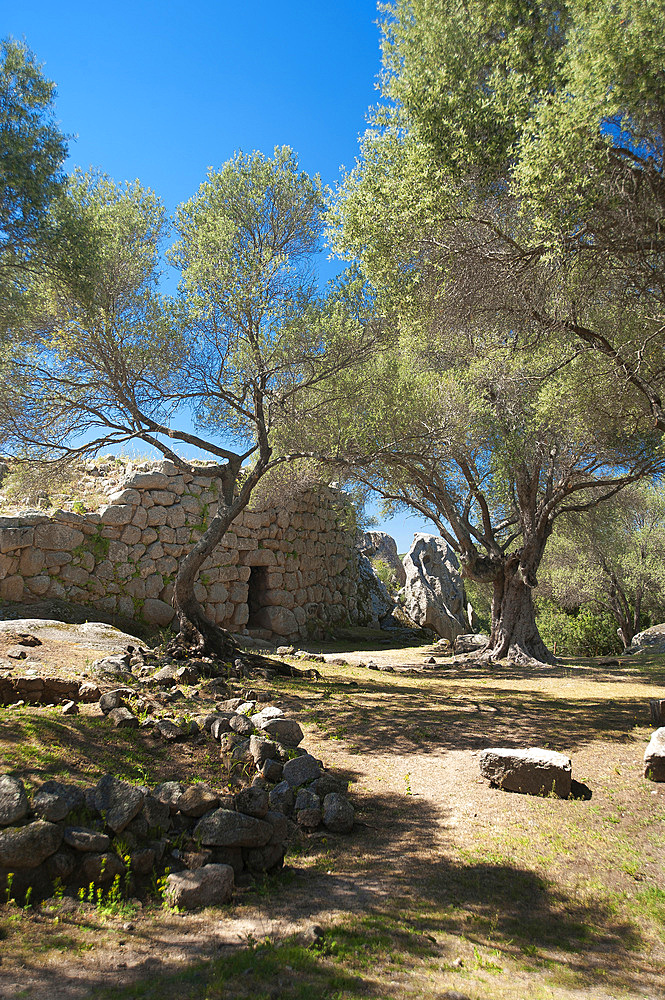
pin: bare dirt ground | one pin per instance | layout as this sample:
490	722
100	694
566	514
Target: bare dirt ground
475	890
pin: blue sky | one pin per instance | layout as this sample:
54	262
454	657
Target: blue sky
160	91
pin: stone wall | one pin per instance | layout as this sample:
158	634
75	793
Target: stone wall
276	573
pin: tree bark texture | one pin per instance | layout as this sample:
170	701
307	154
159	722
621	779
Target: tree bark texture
197	632
515	635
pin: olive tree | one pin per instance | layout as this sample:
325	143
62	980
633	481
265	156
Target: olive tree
219	368
39	236
543	344
612	559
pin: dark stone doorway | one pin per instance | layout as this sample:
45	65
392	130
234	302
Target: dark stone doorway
257	589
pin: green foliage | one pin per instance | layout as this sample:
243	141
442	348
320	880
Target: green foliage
33	153
613	559
479	595
577	633
29	481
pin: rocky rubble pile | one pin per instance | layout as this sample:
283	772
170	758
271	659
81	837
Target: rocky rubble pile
207	837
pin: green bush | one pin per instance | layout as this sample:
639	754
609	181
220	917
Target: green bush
584	632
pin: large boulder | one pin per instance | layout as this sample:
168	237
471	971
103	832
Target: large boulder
652	639
654	756
207	886
224	828
374	601
434	593
27	846
380	545
532	772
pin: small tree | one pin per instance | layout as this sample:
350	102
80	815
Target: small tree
613	559
247	339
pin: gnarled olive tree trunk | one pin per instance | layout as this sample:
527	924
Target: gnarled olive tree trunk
515	635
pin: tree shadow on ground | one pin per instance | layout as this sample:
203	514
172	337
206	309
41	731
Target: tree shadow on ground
36	746
377	718
386	889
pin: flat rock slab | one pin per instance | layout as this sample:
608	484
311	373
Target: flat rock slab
92	635
532	772
654	756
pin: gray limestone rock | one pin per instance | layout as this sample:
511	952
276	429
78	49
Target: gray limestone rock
307	800
338	813
112	668
13	800
374	601
301	770
168	793
284	731
117	801
211	885
220	725
532	772
380	545
168	730
122	718
55	800
241	724
113	699
282	798
224	828
197	800
157	814
271	770
166	677
27	846
262	749
269	712
434	593
329	783
654	756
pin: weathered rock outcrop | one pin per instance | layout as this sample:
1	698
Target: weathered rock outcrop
381	545
652	639
374	601
434	593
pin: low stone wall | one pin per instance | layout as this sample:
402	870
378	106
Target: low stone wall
279	573
115	831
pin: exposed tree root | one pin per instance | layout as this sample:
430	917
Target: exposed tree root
206	639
